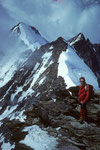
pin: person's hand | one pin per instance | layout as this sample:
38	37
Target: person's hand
82	104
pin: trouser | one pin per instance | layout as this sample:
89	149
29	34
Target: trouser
83	112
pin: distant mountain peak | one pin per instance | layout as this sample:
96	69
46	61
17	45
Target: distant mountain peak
16	28
29	35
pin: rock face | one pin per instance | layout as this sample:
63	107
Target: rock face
36	95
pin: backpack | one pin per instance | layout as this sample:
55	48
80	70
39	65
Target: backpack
91	90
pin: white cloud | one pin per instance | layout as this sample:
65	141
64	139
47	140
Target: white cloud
58	18
89	23
5	25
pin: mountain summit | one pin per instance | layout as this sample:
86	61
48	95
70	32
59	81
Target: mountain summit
29	39
29	35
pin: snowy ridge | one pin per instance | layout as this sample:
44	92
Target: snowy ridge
72	67
34	77
10	67
39	69
87	51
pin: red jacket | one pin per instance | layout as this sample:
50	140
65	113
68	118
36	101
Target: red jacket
83	94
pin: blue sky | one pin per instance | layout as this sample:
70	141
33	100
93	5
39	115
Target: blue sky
65	18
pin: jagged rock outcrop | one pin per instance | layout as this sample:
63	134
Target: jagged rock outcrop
61	119
89	52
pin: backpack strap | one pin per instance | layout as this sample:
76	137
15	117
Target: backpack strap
86	87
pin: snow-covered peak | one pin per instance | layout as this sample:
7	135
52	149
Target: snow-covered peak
77	38
72	67
29	35
29	39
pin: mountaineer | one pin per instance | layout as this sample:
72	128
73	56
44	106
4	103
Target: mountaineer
84	95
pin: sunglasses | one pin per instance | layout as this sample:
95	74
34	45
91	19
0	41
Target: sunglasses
81	81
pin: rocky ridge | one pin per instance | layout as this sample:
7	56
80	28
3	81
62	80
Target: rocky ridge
60	118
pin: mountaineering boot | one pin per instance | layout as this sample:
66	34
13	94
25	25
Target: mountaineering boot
81	120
